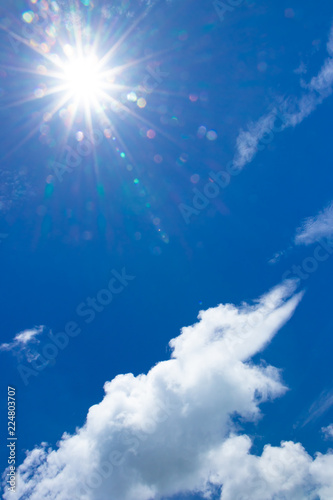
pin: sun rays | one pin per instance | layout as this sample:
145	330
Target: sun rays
70	69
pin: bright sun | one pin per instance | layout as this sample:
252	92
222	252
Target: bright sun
83	78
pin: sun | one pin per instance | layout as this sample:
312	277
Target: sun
83	78
80	81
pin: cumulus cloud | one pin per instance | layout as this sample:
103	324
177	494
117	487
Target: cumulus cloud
314	228
291	111
282	472
22	340
173	431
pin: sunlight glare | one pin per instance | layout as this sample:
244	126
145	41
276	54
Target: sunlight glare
83	78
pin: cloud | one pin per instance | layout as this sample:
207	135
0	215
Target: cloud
328	431
314	228
247	141
173	430
278	255
292	111
323	82
282	472
320	406
22	339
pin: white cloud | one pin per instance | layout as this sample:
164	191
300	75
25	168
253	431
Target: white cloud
316	227
278	255
317	409
301	70
328	431
285	472
247	141
296	110
22	339
323	82
172	431
292	111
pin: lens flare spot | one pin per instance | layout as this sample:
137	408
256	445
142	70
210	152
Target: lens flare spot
28	16
132	97
79	136
41	69
39	93
211	135
158	159
141	102
151	134
201	132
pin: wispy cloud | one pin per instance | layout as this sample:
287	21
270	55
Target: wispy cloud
314	228
323	403
172	430
23	339
247	141
323	82
328	431
278	255
286	112
293	111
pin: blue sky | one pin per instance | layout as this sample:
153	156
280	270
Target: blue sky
186	171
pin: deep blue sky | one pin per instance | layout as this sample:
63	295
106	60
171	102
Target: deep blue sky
63	241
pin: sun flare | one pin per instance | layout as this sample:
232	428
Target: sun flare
77	78
83	78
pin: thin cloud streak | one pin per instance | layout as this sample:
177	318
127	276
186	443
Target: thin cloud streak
319	407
